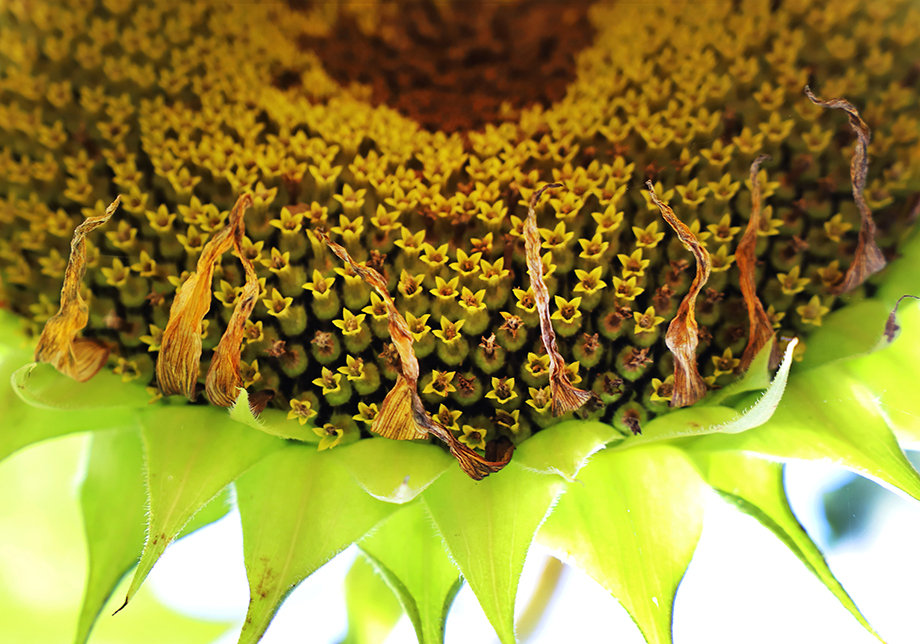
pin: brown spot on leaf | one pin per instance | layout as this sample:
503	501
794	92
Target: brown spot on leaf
891	325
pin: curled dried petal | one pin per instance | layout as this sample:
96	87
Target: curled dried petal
396	323
761	330
224	380
891	325
402	415
180	349
869	258
498	453
565	396
79	358
682	337
395	419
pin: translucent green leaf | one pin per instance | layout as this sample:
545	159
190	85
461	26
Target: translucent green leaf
828	416
851	331
410	555
151	622
487	527
113	500
299	508
900	278
393	471
41	385
373	609
755	486
632	523
215	510
44	563
700	421
683	423
564	449
24	425
892	375
192	454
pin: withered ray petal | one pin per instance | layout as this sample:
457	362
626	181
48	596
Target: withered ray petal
869	258
58	345
682	337
565	396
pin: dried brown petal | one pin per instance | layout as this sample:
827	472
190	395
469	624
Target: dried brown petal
761	330
682	338
224	380
891	325
180	349
259	400
565	396
395	419
79	358
396	323
869	258
402	415
498	453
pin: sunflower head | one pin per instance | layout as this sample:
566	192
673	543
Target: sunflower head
386	254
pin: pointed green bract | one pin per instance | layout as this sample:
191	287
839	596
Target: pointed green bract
700	421
41	385
112	499
299	508
900	278
755	486
390	470
373	609
409	553
892	375
487	527
192	453
215	510
152	622
851	331
827	416
564	449
632	522
24	424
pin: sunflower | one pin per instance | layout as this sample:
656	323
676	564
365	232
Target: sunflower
442	285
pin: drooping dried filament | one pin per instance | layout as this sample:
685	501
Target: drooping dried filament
869	258
402	415
761	330
224	380
682	337
180	348
79	358
565	396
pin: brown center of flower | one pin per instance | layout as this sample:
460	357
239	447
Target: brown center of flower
451	66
